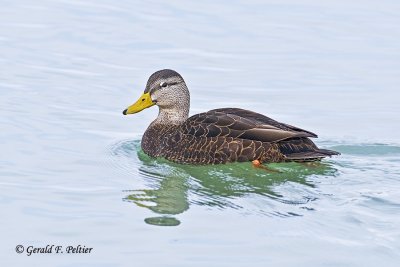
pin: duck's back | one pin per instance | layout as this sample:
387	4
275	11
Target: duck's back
229	135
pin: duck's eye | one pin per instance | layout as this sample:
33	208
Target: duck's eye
163	84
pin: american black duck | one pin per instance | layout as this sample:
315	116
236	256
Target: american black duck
217	136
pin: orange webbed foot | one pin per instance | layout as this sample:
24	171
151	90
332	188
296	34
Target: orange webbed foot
258	164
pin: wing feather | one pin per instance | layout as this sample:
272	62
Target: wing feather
240	123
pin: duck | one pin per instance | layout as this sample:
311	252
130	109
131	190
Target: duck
218	136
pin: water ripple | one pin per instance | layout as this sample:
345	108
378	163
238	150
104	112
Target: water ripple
173	188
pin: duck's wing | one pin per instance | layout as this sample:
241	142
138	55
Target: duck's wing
240	123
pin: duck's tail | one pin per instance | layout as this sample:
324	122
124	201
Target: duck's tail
303	149
311	155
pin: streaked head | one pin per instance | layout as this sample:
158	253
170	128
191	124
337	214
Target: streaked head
166	89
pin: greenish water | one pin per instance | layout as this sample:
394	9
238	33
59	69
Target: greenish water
72	172
173	188
217	186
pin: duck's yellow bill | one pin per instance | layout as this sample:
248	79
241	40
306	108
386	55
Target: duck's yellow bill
143	102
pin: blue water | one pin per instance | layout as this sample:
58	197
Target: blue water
71	169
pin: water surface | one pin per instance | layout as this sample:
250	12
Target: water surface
71	168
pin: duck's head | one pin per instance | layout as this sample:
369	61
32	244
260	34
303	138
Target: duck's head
166	89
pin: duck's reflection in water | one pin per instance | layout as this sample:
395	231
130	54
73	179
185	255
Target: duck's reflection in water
168	198
221	186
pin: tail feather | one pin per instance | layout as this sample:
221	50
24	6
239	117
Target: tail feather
311	155
303	149
328	152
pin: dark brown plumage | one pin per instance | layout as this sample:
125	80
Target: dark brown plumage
229	135
220	135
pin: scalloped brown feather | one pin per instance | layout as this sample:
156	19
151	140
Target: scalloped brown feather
229	135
